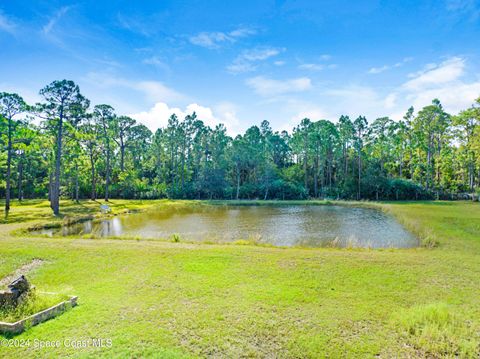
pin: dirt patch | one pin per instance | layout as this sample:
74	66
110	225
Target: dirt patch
25	269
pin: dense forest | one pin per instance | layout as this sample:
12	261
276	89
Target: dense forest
66	148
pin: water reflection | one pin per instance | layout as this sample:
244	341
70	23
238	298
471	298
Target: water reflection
279	225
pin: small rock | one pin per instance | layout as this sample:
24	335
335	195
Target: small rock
16	292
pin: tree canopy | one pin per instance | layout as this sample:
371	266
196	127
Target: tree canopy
76	151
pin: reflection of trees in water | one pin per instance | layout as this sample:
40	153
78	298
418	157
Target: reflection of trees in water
111	227
284	226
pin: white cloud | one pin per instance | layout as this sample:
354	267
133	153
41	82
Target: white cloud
7	24
259	54
447	71
427	67
157	62
227	114
136	24
279	63
158	115
319	64
240	67
313	114
29	95
245	62
295	110
443	81
154	91
454	96
209	40
270	87
48	27
242	32
378	70
390	101
213	40
355	100
311	67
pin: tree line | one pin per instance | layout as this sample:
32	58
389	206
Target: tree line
79	151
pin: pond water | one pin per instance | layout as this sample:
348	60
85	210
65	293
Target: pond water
285	225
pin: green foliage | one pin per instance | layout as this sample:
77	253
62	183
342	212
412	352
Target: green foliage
81	153
33	303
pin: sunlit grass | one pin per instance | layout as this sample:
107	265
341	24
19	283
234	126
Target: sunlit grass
177	299
434	329
33	303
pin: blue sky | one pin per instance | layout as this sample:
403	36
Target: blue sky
241	62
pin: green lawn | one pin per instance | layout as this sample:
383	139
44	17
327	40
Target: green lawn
165	299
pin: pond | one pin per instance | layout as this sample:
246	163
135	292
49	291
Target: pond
285	225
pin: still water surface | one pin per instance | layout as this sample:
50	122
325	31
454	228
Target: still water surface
290	225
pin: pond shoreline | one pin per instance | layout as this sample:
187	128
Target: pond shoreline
287	211
296	295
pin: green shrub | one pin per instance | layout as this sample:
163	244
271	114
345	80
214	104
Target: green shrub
33	303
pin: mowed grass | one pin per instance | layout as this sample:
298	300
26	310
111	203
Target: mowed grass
175	300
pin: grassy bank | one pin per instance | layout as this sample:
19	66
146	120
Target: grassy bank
196	300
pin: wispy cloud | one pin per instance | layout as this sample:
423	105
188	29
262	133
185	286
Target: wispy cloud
246	61
433	75
214	40
378	70
312	67
157	62
270	87
446	81
464	8
49	26
133	24
154	91
7	24
355	99
443	81
319	64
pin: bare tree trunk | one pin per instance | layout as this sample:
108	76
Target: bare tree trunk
107	174
50	185
359	174
238	181
330	170
93	181
182	175
306	172
401	166
76	183
122	156
429	160
315	177
9	165
55	197
20	178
